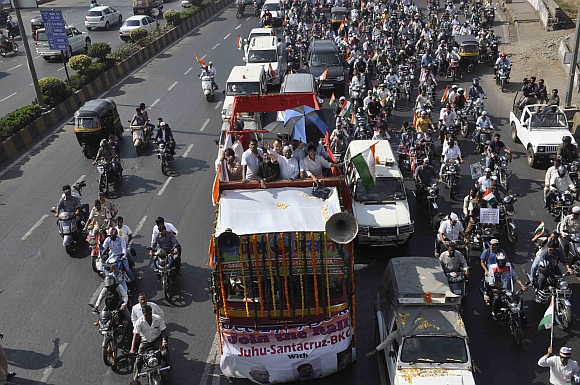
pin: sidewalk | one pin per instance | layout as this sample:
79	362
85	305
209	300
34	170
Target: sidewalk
533	50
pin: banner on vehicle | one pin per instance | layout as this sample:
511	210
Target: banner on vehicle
268	356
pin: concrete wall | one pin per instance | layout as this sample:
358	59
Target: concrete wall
542	11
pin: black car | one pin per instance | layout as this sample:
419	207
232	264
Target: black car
323	55
3	17
36	23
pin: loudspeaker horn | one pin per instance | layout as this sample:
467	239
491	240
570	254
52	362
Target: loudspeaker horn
228	241
341	228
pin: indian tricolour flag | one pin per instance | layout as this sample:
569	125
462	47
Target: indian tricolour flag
365	166
540	228
241	44
346	109
331	101
548	320
489	197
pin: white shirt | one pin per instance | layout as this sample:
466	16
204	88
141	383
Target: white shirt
562	184
250	160
450	232
448	117
168	227
137	312
238	149
451	153
118	246
124	232
289	168
149	333
553	170
314	167
122	294
466	204
559	374
484	183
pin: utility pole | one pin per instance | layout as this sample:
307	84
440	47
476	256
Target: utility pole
573	64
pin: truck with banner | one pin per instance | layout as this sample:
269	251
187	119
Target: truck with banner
282	284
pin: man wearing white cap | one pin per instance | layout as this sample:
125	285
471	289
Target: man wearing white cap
562	368
449	230
483	123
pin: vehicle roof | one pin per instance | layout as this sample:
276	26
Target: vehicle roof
245	74
269	31
263	43
272	2
294	83
465	39
323	45
99	8
137	17
338	9
93	107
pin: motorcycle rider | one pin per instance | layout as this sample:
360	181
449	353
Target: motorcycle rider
467	200
450	229
4	41
447	117
98	216
475	91
212	71
552	170
425	175
451	95
426	77
559	183
502	63
453	260
112	295
488	256
118	247
473	210
167	241
484	182
483	123
547	265
68	203
501	276
160	221
108	154
493	150
453	57
423	123
567	151
459	101
423	102
570	225
137	311
393	81
451	152
150	332
165	135
108	205
126	234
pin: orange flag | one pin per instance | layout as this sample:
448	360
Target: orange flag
272	72
215	194
323	76
201	62
445	93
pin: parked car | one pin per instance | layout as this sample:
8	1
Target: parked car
77	40
140	21
102	17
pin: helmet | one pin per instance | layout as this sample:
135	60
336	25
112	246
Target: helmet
460	91
112	231
483	112
502	54
162	124
561	171
544	267
501	259
475	81
109	281
210	63
104	142
576	210
567	139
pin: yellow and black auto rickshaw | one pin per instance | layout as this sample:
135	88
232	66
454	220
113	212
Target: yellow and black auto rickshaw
94	121
468	51
337	16
151	8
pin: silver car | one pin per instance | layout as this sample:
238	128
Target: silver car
77	41
102	17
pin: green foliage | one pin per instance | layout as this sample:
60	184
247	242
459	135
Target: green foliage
78	81
123	51
99	51
196	3
17	120
138	34
79	63
189	12
173	17
53	90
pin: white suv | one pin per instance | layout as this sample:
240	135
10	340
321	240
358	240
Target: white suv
102	17
77	40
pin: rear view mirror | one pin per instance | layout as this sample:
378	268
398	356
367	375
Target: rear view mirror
224	91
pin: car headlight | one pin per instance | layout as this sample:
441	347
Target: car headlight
340	79
563	285
541	148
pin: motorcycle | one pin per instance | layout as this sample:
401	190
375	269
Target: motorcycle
257	8
164	156
506	221
500	168
453	69
451	176
428	200
207	87
12	29
166	272
7	47
572	169
114	329
562	204
106	176
502	77
461	121
153	366
510	311
241	9
557	292
140	140
476	108
484	139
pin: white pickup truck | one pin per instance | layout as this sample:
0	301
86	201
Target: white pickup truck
540	129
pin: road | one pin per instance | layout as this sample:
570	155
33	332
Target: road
16	90
49	332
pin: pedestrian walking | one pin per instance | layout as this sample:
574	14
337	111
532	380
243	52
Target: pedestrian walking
5	375
562	368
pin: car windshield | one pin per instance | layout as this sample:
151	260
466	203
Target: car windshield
546	120
86	122
386	189
262	56
325	59
132	23
41	36
242	89
94	13
271	7
433	349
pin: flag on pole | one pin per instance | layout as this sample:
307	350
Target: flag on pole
272	72
331	101
323	76
346	109
242	43
365	166
375	56
489	197
540	228
362	5
215	193
201	62
350	58
445	93
341	27
548	321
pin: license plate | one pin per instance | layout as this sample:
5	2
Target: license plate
458	292
65	229
386	239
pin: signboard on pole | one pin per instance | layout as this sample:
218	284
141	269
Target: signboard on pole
55	30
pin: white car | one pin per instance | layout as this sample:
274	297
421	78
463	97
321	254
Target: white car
141	21
102	17
77	41
185	3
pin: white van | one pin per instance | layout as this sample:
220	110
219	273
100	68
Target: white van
255	32
383	214
267	52
243	80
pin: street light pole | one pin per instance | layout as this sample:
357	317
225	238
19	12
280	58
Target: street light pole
573	64
28	55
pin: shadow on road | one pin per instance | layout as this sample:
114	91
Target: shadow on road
31	360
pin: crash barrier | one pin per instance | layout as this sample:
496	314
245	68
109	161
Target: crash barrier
24	138
556	15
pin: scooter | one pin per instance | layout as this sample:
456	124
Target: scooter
207	87
140	140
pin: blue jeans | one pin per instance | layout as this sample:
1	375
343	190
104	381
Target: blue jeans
127	268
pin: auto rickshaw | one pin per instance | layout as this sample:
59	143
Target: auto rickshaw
151	8
96	120
337	16
468	51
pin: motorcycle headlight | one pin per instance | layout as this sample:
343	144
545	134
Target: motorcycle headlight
104	324
452	168
541	148
412	76
574	168
563	285
340	78
152	362
504	164
515	307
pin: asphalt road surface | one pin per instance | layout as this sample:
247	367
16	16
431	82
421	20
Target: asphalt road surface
49	332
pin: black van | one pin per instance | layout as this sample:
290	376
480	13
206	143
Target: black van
322	55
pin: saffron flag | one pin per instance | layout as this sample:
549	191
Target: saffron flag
272	72
323	76
241	43
445	93
215	193
362	5
365	166
352	118
540	228
201	62
331	101
489	197
346	109
548	321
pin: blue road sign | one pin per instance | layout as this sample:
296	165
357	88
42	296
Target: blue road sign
55	30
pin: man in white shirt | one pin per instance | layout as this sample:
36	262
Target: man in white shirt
552	170
450	229
451	152
289	166
559	183
562	368
251	161
137	310
484	182
118	246
313	164
149	332
160	221
367	99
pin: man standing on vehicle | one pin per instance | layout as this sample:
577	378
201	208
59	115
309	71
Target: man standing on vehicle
150	332
562	368
251	161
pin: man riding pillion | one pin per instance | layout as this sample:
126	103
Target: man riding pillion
140	120
108	154
451	152
118	246
559	183
567	151
449	230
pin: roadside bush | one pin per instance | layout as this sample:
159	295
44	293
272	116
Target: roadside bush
138	34
196	3
123	51
17	120
78	81
189	12
79	63
99	51
172	16
53	90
